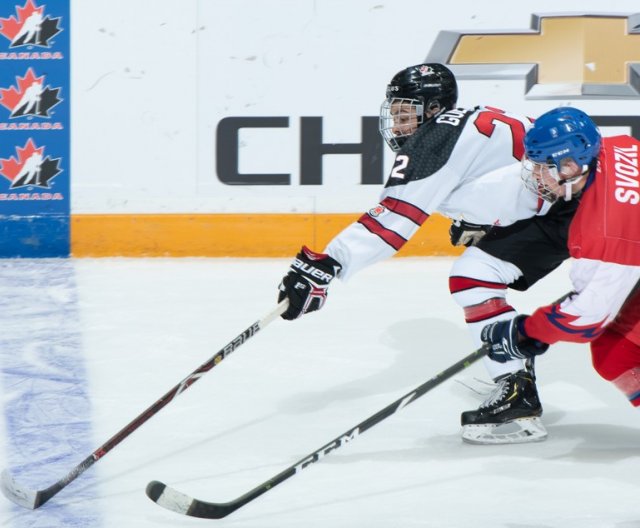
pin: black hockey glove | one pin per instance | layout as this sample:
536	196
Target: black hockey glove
503	340
307	282
464	233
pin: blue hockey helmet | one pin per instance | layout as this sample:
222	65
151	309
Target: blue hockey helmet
563	132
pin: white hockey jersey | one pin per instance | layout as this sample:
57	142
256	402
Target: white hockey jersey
464	164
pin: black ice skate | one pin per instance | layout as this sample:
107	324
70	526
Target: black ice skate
511	414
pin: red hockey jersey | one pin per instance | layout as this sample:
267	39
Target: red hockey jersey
606	226
604	238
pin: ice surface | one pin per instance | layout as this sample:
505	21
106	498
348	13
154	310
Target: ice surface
87	345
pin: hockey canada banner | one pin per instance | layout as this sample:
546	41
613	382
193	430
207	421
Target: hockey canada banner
34	128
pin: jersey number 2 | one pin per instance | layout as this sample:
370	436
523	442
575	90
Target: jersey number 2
486	124
401	163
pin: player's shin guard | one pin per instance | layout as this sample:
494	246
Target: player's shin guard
629	383
478	283
478	315
617	359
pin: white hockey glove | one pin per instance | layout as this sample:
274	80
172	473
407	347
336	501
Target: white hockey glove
467	234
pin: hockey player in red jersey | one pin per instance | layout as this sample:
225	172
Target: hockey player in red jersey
604	240
464	164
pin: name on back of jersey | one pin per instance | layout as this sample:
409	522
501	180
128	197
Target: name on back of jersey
626	170
451	117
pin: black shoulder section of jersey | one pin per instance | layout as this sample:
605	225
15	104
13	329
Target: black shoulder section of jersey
430	147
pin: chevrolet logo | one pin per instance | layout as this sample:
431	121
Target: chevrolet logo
575	54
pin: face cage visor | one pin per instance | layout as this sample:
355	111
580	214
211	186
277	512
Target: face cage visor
399	119
544	180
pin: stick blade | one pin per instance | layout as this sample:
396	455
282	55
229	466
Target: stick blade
168	498
20	496
176	501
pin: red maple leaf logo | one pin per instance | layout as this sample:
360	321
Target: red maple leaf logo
11	98
10	168
11	27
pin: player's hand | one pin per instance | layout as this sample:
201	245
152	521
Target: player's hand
307	282
505	341
467	234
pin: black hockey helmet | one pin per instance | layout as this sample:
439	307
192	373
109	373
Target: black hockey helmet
413	92
430	82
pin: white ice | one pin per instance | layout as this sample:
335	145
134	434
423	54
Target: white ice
139	326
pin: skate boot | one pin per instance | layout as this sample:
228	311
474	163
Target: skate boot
511	414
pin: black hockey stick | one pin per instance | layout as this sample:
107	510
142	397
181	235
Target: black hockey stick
33	499
177	501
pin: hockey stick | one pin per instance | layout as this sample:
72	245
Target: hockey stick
177	501
33	499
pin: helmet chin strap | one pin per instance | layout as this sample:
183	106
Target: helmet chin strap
569	183
568	191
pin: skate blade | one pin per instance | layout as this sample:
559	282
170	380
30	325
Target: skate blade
520	431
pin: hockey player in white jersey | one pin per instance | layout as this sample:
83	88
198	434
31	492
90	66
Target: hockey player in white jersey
463	164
